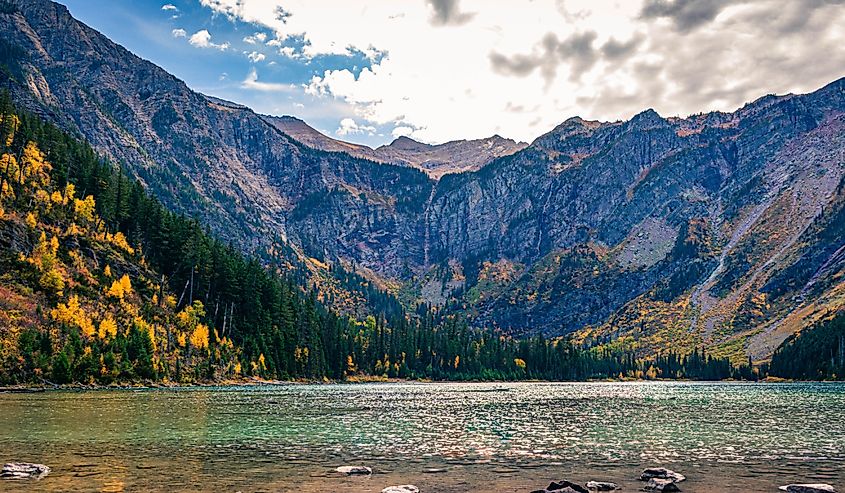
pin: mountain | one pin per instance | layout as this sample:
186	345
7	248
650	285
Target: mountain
102	285
435	160
311	137
720	230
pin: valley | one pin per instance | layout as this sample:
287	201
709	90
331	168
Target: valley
717	232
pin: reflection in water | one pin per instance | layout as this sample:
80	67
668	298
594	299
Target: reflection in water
505	437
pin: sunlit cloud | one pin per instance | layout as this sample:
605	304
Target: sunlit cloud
444	69
348	126
202	39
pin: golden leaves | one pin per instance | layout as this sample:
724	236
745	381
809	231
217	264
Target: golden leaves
120	288
108	328
72	314
199	337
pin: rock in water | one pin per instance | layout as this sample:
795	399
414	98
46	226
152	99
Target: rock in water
662	473
354	470
601	486
24	470
563	487
403	488
808	488
658	484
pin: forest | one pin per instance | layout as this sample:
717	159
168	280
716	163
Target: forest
101	284
814	354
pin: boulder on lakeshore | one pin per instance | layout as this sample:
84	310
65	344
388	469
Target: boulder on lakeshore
601	486
24	470
659	484
808	488
402	488
563	487
354	470
662	473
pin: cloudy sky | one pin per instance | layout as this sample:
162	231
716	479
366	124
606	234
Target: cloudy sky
439	70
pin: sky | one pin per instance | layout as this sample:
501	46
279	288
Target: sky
441	70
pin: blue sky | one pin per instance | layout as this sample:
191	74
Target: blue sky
439	70
146	29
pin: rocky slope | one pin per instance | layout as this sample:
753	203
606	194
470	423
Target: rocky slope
219	162
721	230
457	156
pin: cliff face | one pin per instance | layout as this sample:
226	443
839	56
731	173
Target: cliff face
682	231
722	229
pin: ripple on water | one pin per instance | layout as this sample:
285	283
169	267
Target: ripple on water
501	427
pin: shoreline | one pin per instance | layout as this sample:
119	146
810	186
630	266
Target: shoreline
259	382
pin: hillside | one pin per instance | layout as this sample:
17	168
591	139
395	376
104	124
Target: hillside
719	230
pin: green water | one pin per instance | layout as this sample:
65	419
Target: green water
496	437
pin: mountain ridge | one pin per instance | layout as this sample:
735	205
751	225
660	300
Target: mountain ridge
436	160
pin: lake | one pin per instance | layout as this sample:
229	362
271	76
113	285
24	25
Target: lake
446	437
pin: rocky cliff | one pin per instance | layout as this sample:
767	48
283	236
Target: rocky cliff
722	230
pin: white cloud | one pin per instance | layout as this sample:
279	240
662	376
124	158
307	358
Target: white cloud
402	132
288	51
252	82
349	126
473	68
178	33
255	56
256	38
202	39
169	6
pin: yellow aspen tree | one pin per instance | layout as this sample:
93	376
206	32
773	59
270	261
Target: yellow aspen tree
119	240
72	314
120	288
34	170
9	168
126	284
108	328
84	210
31	220
199	337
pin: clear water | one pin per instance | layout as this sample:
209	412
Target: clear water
479	437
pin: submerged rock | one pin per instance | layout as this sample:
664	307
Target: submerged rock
662	473
354	470
563	487
24	470
659	484
601	486
808	488
403	488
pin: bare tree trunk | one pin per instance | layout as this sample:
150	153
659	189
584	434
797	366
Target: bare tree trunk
183	295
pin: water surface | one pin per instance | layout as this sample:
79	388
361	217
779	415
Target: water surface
441	437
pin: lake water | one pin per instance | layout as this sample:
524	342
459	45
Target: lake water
440	437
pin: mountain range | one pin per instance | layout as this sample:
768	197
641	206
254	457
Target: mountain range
435	160
719	230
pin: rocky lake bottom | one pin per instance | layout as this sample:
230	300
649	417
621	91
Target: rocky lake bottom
446	437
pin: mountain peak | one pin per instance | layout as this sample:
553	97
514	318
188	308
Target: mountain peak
408	144
646	116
